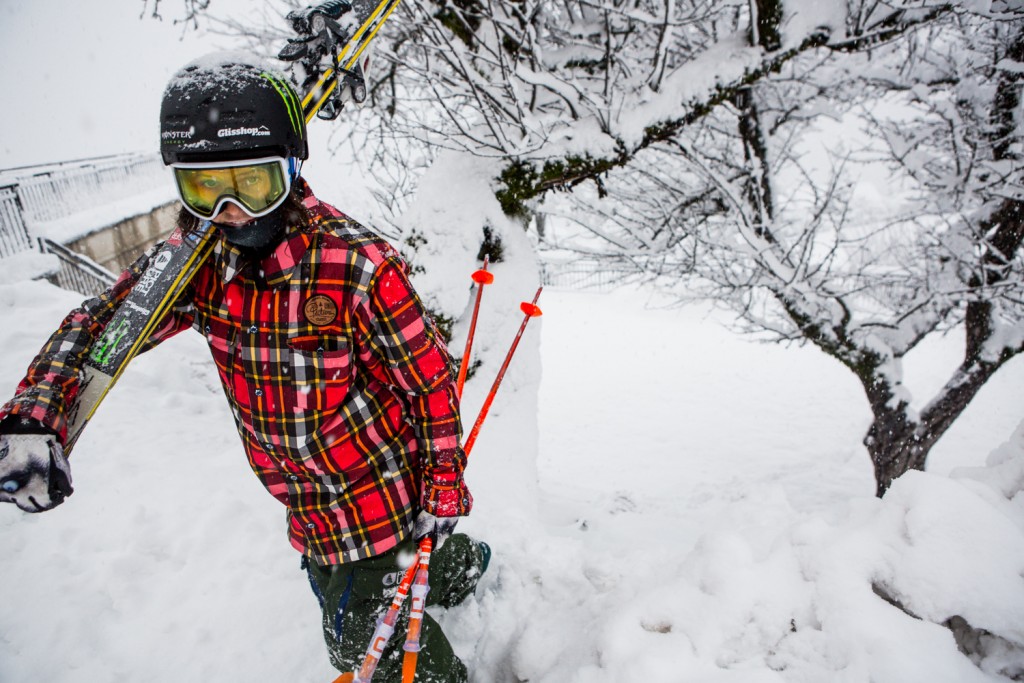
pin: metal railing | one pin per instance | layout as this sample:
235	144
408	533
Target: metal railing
31	195
589	274
51	192
77	273
14	236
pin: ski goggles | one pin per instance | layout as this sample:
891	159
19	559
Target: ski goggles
257	186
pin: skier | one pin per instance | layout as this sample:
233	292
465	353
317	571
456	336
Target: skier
341	387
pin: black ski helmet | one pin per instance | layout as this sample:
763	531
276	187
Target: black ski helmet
226	107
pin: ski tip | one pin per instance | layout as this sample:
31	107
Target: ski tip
532	310
482	277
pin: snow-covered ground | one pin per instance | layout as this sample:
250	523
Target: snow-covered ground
667	502
704	513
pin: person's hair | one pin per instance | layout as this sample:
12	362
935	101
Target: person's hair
293	210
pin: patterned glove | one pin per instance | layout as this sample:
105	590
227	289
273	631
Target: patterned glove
34	474
437	528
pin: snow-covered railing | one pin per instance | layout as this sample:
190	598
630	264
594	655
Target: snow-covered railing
57	190
13	233
59	201
587	274
77	273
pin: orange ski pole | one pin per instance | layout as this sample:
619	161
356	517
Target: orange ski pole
481	278
386	626
530	310
415	579
420	588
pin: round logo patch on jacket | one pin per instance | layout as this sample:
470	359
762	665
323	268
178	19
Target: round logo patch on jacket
320	310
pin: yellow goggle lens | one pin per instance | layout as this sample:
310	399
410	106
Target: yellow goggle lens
255	187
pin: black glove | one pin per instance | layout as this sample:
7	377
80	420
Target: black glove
437	528
34	474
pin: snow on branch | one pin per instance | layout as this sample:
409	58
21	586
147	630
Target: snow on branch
696	86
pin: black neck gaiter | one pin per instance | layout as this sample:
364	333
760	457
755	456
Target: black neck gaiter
258	238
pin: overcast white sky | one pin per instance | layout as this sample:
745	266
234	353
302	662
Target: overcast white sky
83	78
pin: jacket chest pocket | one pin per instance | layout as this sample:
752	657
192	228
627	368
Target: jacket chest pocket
321	371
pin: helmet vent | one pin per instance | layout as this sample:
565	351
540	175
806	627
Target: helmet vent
237	116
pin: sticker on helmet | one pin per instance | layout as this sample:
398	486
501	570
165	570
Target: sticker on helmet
178	134
232	132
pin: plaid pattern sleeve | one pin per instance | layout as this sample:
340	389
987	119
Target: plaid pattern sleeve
51	384
417	363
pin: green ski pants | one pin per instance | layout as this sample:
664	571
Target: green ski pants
353	596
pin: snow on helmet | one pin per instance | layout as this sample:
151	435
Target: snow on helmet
228	107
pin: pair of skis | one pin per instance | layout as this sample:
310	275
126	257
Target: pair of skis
339	30
415	579
345	27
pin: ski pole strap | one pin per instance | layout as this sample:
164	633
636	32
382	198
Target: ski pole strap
530	310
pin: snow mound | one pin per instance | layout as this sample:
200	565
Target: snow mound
923	585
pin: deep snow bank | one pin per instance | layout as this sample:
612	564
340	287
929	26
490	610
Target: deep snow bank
859	592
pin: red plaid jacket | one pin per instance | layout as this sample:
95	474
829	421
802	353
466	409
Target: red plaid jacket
341	387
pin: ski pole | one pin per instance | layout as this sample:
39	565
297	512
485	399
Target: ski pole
481	278
421	585
420	588
531	310
386	626
415	579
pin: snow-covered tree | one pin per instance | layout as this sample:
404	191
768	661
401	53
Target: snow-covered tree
790	245
677	134
690	121
946	105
